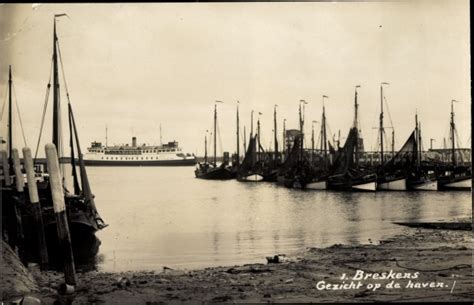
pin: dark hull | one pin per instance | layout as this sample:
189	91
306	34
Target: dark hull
187	162
462	183
348	183
218	173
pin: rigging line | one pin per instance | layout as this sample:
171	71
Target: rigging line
64	75
219	137
62	166
48	88
4	103
42	118
19	116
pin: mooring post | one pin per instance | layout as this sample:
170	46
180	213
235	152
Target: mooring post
19	184
36	207
6	168
60	213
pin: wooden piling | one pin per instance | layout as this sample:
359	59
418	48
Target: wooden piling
6	168
60	213
19	185
19	180
36	207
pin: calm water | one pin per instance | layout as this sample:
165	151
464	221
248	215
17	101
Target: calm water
161	216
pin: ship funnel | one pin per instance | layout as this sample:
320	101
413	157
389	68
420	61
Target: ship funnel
134	141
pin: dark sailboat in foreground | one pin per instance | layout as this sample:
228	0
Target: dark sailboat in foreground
84	219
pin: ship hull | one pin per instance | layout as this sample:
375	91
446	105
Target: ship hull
317	185
423	185
218	173
393	185
366	183
186	162
251	178
455	184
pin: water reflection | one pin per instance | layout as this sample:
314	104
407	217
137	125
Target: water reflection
165	217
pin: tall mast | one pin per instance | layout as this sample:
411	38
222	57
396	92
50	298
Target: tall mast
161	139
419	141
284	136
324	141
453	130
275	132
10	126
56	113
381	131
356	125
215	132
258	137
312	142
245	139
251	125
238	135
205	147
106	136
393	142
301	113
416	138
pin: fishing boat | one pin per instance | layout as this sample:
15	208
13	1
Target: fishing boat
288	170
249	170
314	173
422	177
348	176
210	171
168	154
83	217
454	176
391	175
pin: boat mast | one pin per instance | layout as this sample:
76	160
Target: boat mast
251	125
393	142
238	136
324	133
10	126
312	141
258	137
106	136
418	137
161	139
381	130
453	147
356	125
56	113
205	147
301	113
215	138
245	139
275	132
284	136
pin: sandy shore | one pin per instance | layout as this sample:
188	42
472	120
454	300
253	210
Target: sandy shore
428	265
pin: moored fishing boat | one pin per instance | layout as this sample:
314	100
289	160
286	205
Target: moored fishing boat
453	176
210	171
392	175
83	217
421	177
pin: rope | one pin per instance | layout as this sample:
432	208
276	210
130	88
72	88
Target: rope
219	137
48	88
19	116
64	75
4	103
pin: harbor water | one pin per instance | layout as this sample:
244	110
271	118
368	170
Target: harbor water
163	216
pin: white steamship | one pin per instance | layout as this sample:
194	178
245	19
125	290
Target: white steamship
169	154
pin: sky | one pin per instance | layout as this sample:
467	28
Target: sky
134	67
